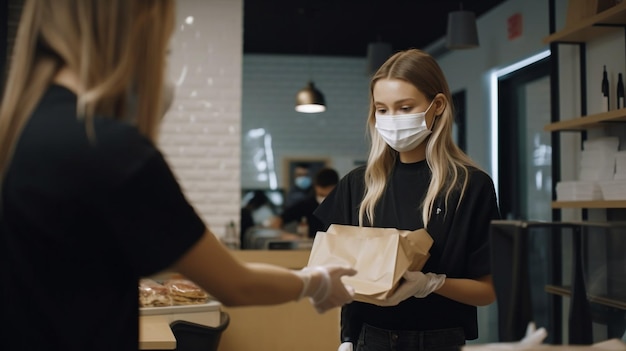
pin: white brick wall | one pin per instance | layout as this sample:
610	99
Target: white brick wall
270	84
200	136
202	133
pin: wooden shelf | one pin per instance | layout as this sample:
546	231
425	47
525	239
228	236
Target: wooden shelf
602	300
589	121
590	204
591	27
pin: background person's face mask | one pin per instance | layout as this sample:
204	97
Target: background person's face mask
403	132
303	182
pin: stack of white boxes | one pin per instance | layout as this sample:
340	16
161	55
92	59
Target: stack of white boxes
615	189
597	165
620	166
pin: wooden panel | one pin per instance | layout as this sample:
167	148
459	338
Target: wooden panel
591	27
589	204
591	121
155	334
294	259
291	326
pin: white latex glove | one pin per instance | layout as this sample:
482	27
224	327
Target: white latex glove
416	284
533	338
533	335
324	288
346	346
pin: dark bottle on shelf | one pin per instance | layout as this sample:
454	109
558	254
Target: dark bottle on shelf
620	91
605	91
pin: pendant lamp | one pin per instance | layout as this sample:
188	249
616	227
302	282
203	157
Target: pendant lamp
310	100
462	32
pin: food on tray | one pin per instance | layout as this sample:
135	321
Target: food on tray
186	292
153	294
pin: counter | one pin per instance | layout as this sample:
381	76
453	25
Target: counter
155	333
290	326
154	323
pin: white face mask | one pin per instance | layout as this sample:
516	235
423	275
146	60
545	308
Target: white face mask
403	132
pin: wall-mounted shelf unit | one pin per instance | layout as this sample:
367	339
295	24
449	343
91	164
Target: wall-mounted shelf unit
608	22
585	30
588	122
592	27
590	204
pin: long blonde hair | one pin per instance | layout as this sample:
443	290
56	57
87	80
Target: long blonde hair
448	163
117	49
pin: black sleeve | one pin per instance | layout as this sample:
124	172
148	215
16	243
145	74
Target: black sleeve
151	219
342	204
331	209
481	204
142	202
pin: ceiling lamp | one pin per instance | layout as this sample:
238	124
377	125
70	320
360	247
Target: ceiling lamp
310	100
462	32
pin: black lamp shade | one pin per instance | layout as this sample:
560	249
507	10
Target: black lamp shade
462	32
310	100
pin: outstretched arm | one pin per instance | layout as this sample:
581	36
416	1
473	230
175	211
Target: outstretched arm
234	283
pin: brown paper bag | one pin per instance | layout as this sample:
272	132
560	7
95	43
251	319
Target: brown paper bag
380	256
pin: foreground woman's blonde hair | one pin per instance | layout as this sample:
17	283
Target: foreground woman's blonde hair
116	47
448	163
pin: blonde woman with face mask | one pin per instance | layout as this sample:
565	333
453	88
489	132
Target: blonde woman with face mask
416	177
88	203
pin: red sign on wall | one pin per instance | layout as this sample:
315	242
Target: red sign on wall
514	26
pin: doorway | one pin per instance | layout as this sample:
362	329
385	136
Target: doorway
525	150
525	172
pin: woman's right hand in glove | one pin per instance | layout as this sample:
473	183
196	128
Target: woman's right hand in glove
324	288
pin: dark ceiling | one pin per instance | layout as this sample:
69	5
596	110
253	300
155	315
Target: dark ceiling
345	27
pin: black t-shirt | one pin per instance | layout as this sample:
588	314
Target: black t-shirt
304	208
81	221
460	248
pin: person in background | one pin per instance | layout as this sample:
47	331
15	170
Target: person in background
88	203
258	200
302	183
416	177
324	182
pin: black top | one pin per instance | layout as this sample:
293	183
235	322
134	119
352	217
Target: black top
81	222
304	208
460	248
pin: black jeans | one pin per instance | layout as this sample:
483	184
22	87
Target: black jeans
376	339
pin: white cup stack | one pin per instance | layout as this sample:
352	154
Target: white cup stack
597	165
578	190
615	189
620	166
